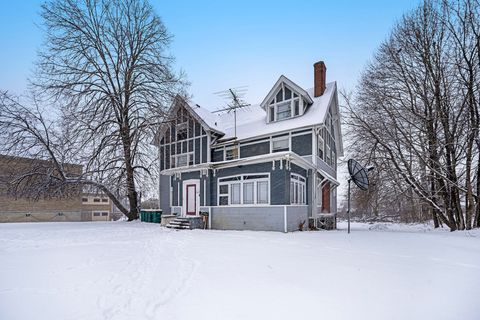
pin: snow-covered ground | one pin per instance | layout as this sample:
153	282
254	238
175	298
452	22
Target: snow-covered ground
121	270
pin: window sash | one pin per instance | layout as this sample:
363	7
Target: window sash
235	191
297	189
248	192
281	144
262	192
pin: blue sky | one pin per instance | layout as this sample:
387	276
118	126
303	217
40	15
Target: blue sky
222	44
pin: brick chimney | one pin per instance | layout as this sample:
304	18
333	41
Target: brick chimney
319	78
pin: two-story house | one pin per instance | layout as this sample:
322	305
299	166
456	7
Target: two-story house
274	168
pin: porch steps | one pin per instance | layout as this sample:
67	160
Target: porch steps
179	223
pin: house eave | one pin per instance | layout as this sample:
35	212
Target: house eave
286	155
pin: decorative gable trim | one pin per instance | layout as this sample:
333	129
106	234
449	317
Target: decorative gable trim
178	102
290	84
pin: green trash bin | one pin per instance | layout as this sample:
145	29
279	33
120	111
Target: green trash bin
157	216
142	216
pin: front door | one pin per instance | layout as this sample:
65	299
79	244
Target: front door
191	199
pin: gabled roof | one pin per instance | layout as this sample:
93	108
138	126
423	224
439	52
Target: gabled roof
289	83
252	121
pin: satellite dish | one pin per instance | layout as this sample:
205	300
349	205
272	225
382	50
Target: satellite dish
358	174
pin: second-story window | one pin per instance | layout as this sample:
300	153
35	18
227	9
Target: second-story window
280	144
320	143
182	160
231	153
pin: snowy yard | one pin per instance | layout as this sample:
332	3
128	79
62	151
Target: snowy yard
135	270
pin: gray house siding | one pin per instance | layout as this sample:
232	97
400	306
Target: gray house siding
217	155
204	149
279	185
255	149
164	186
177	191
302	145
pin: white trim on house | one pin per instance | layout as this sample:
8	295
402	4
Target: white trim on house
287	155
289	83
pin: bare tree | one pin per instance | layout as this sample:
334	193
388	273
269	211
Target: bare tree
417	103
104	64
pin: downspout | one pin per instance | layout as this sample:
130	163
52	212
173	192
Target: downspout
159	175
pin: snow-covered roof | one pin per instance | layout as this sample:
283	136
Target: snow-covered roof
251	121
208	117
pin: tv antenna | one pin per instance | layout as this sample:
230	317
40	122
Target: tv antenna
235	98
359	176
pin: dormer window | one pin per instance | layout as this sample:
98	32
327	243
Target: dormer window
286	104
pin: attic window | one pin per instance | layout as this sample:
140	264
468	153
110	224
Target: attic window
288	94
286	104
284	110
279	96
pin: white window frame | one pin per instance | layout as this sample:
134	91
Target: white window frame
273	104
298	189
320	142
242	179
189	156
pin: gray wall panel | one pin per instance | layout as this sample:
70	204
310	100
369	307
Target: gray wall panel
295	216
248	218
204	149
255	149
302	145
165	193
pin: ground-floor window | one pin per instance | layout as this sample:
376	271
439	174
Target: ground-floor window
297	189
244	189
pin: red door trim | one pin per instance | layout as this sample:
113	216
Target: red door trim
194	212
